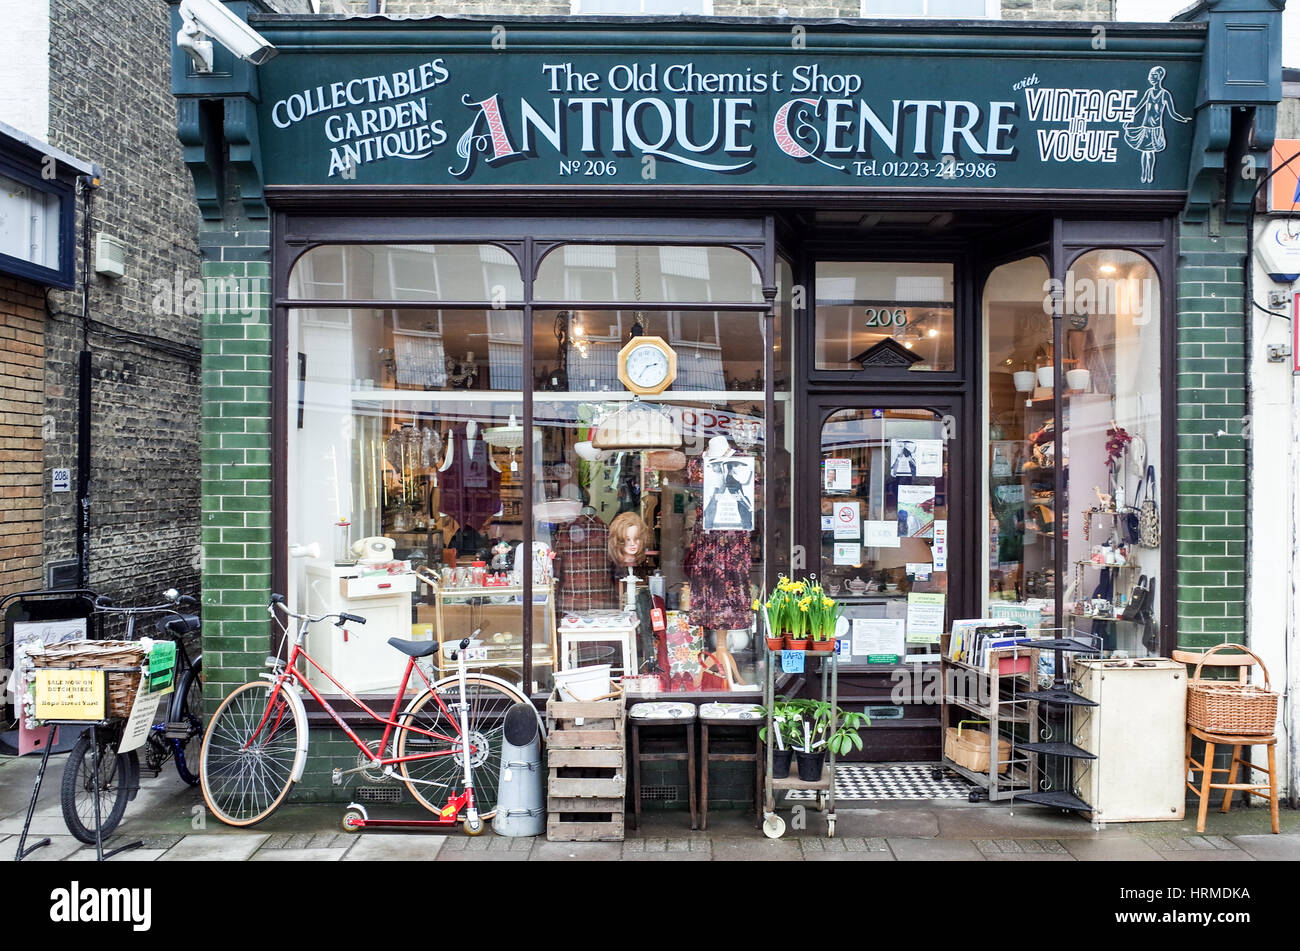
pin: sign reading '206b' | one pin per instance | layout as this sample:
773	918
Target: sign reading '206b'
791	120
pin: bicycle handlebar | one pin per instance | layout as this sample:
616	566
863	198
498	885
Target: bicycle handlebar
279	600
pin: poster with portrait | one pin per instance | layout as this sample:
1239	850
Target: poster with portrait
911	458
729	494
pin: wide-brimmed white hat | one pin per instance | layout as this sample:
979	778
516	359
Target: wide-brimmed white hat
589	452
718	449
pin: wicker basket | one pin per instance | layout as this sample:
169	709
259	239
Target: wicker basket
1222	706
122	684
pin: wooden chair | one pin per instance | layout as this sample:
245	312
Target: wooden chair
1243	662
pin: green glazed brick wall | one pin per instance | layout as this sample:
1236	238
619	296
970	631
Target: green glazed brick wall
235	516
1212	539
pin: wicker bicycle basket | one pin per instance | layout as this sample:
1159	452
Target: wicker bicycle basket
122	684
1222	706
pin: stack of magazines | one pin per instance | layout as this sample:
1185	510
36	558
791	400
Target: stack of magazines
973	639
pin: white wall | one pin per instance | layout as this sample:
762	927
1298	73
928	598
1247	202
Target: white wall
25	66
1274	564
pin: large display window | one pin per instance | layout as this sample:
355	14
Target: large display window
462	463
1073	448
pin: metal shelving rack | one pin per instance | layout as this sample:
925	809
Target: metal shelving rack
1007	707
1059	755
773	824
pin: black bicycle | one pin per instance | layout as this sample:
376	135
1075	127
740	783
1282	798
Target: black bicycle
177	737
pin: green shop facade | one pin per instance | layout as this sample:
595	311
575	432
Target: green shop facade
948	301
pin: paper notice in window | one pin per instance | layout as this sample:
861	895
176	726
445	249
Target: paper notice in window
882	534
847	518
878	636
848	553
924	617
837	475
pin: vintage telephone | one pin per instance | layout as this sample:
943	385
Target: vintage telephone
374	550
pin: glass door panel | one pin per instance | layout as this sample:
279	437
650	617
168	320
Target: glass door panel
884	510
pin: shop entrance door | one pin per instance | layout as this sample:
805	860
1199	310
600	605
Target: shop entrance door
882	523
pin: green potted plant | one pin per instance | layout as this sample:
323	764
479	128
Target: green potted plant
774	613
824	613
787	718
796	614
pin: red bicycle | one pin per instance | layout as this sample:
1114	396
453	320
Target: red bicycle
448	737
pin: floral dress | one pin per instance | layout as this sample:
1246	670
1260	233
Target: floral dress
718	564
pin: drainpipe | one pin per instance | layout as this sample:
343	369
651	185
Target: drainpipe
88	184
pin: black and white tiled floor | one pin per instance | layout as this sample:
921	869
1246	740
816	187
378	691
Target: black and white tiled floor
901	781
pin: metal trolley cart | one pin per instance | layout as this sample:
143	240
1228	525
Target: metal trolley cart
773	824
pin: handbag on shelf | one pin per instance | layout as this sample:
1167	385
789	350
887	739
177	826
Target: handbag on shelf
1150	636
1138	602
1148	512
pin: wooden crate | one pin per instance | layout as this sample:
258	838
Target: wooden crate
585	827
602	715
586	758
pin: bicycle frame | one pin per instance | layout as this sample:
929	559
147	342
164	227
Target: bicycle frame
290	674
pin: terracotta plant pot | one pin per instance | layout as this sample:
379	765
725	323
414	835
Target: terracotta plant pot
796	643
774	643
824	647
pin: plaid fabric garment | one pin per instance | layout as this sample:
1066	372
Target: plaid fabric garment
582	566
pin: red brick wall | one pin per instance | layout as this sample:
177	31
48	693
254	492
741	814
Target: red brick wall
22	403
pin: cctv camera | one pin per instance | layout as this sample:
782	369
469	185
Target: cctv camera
202	19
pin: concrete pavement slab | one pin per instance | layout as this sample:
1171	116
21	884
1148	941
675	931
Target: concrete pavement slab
934	850
576	851
1264	847
882	822
885	856
298	855
60	847
388	847
202	847
756	849
130	855
1113	849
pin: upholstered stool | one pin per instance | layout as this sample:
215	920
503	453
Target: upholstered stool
745	715
660	717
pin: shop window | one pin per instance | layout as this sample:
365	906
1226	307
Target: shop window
716	350
649	274
432	272
687	517
400	430
884	315
406	433
1065	493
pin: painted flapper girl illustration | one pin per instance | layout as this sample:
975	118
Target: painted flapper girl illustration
1146	131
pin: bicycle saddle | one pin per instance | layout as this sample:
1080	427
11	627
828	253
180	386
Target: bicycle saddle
414	648
177	626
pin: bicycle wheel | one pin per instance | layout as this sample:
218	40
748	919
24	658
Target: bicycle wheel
77	791
187	708
246	771
488	704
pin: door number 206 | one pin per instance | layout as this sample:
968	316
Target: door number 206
884	317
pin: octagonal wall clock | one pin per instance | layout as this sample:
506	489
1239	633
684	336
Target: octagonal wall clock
647	365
